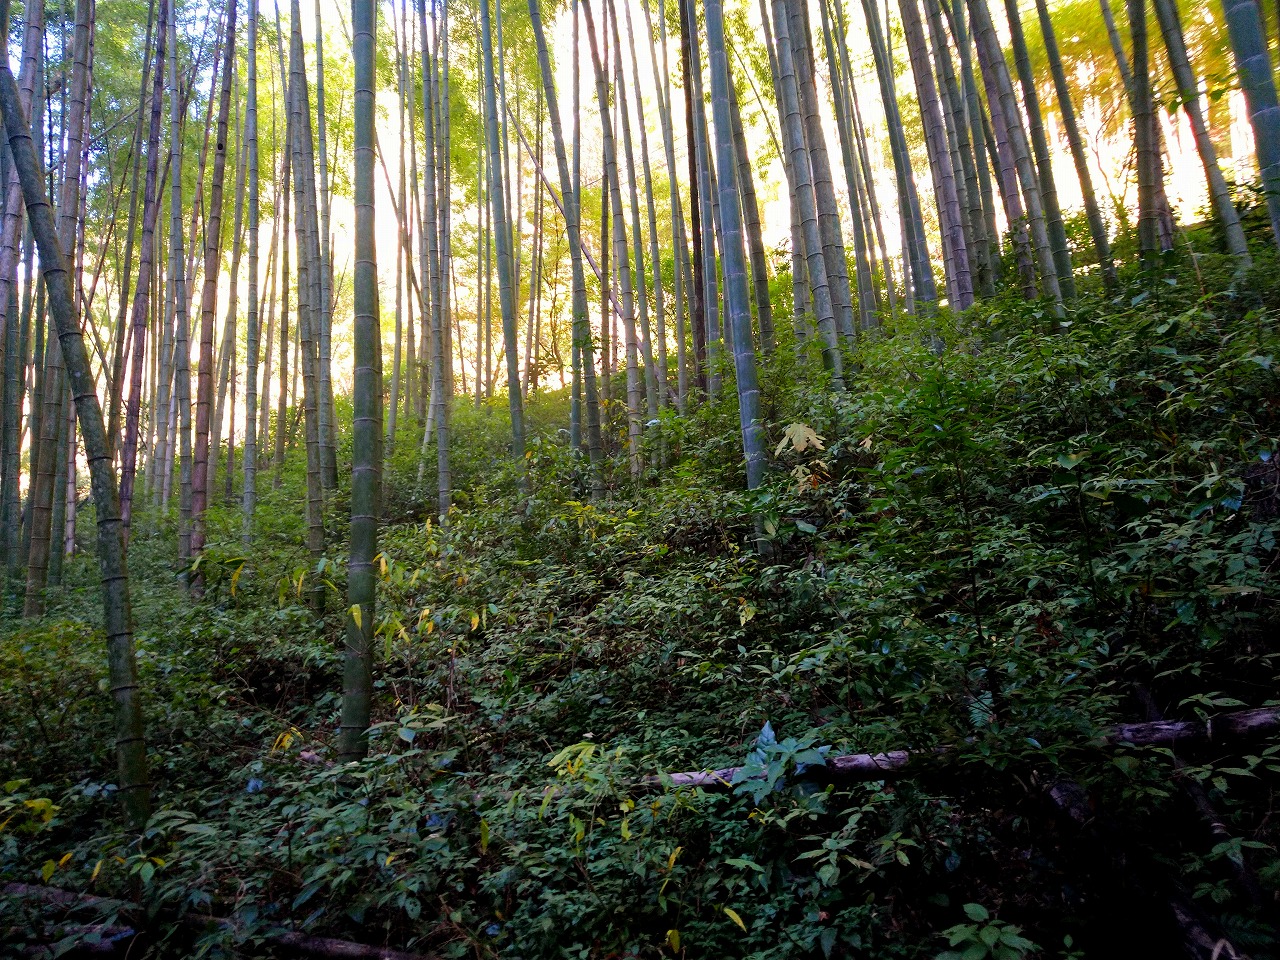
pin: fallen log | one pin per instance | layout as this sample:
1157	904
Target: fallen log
290	941
861	767
1199	798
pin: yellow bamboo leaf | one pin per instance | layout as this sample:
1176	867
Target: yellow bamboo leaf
97	868
733	915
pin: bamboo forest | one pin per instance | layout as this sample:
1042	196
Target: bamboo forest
637	479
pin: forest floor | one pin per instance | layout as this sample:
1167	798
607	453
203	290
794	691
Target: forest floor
1003	550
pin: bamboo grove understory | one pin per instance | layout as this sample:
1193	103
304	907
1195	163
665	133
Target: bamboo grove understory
573	195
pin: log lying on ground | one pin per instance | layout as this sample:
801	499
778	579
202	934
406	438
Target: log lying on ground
1199	797
1242	725
286	941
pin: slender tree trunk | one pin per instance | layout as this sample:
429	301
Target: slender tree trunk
227	368
1144	121
996	133
249	495
751	224
122	669
681	266
502	233
142	295
531	376
833	249
1189	94
982	158
1248	42
950	215
964	158
407	106
42	539
662	90
17	328
117	374
402	247
1165	226
735	269
284	199
645	343
916	251
178	290
444	210
201	474
57	510
996	72
573	225
284	202
357	682
63	512
431	234
482	258
308	246
620	250
838	69
656	357
1097	225
268	336
799	280
328	429
1040	151
47	398
794	138
699	204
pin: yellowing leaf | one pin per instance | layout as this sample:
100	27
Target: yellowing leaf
356	616
65	857
733	915
475	620
673	940
671	860
47	870
800	437
484	836
285	739
97	868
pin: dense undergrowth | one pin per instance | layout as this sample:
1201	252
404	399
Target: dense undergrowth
994	549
